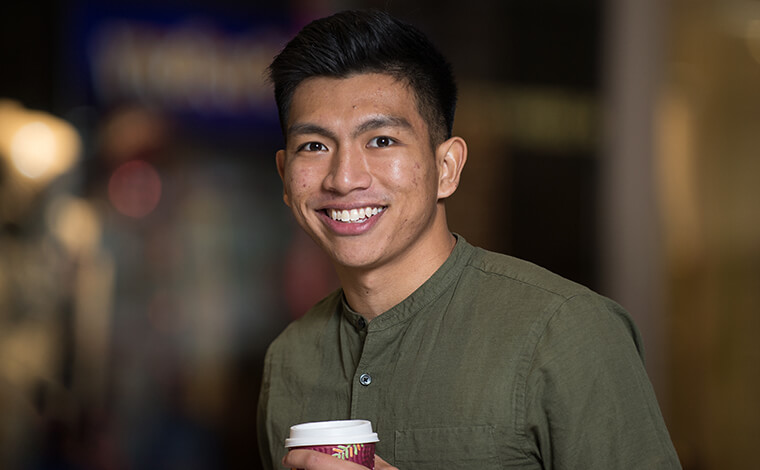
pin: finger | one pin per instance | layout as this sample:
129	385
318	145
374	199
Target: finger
381	464
313	460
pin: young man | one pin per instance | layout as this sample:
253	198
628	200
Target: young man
460	358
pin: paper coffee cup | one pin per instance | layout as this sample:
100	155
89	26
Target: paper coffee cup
351	440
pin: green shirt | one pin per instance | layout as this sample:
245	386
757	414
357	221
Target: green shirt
492	363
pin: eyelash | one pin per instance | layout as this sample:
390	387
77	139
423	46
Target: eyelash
390	142
305	147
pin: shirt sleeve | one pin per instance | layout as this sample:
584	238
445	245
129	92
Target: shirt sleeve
589	403
262	418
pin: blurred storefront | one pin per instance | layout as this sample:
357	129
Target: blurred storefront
143	270
708	165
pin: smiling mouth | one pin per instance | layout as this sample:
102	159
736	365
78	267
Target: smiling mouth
353	216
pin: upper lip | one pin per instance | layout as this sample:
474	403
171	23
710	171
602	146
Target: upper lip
349	206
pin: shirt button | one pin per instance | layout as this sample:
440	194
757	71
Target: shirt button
362	323
365	379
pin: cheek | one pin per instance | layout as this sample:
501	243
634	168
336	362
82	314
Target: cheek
405	175
299	181
395	171
423	179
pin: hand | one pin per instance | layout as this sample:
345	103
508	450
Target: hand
313	460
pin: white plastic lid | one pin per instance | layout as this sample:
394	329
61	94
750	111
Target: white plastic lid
351	431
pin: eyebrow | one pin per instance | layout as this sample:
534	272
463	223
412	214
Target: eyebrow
308	128
381	121
376	122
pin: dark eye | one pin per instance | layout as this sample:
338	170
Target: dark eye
382	141
312	147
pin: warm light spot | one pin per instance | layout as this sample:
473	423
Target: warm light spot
38	145
75	223
753	39
135	188
33	149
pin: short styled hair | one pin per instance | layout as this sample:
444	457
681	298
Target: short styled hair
368	41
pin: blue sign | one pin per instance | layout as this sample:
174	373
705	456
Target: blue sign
203	66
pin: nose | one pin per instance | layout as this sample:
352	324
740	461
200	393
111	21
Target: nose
348	172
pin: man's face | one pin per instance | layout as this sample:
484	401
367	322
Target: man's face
358	169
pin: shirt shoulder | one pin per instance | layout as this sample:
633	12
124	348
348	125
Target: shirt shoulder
304	332
525	273
537	295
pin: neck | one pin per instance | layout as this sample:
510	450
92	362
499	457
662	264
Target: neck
372	291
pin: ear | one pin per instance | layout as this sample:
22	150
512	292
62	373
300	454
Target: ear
450	157
280	159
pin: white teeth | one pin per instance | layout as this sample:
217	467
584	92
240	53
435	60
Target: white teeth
354	215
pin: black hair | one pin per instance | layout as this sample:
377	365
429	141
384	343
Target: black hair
368	41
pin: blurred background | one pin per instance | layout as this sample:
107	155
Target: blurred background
146	258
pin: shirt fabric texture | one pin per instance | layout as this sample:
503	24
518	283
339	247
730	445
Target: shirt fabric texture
493	363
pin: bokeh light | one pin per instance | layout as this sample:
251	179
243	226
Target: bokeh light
134	189
75	224
33	149
39	145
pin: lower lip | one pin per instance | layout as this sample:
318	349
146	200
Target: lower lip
351	228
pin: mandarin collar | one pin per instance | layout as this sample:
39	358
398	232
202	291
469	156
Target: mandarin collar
430	290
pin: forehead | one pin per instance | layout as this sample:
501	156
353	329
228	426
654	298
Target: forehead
326	98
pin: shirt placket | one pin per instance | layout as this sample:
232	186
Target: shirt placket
368	378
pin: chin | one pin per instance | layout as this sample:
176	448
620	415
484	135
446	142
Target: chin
353	259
